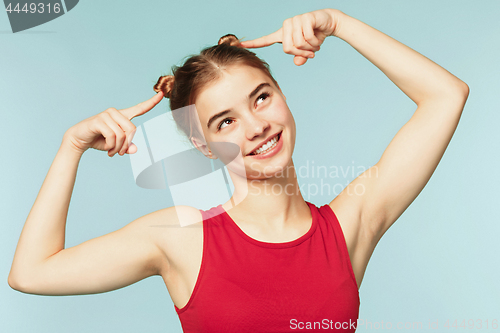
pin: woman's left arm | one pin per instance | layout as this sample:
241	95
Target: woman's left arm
414	153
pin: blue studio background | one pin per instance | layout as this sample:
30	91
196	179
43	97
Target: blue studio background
438	262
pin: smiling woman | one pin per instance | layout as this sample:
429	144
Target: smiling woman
273	261
202	70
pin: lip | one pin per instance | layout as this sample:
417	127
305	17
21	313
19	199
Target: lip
264	141
273	151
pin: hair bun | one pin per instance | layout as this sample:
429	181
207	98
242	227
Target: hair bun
229	39
165	84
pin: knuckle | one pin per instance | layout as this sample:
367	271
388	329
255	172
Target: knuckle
131	127
96	121
103	115
300	44
308	16
120	136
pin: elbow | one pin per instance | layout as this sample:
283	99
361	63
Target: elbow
455	96
462	95
455	90
452	95
463	91
18	284
13	283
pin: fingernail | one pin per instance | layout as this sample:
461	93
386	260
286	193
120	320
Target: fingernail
130	147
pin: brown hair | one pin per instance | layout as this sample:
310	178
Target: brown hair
187	80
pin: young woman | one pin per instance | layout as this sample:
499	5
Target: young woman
273	262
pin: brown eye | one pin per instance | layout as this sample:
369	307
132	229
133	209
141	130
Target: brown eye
263	96
224	122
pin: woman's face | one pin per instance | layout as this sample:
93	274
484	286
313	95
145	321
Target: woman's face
244	107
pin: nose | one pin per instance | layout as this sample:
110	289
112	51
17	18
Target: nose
256	126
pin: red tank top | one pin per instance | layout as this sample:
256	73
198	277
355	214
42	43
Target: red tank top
245	285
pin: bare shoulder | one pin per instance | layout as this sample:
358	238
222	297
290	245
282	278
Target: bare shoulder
177	231
180	216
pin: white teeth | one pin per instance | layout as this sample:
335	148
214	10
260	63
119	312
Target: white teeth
270	144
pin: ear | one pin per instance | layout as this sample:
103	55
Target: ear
203	148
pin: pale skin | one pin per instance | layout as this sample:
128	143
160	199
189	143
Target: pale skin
43	266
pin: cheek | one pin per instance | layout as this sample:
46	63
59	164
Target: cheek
285	117
233	138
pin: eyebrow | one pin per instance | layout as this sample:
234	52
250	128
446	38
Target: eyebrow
222	113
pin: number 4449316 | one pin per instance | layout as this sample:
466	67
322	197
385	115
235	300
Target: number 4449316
471	323
34	8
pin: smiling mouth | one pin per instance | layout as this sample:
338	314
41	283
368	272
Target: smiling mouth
269	145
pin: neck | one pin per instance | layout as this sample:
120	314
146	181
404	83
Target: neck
274	202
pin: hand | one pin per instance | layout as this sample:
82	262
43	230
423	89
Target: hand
110	130
301	35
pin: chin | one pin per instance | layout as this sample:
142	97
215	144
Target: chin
268	168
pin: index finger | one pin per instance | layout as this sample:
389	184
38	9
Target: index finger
142	107
275	37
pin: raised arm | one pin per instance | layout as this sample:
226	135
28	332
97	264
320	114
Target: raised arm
372	202
410	159
42	265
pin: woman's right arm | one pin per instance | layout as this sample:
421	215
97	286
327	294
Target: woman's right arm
42	265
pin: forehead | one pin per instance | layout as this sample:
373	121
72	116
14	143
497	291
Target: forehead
230	90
